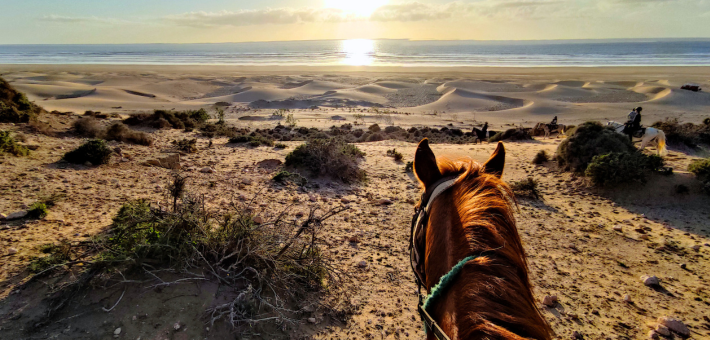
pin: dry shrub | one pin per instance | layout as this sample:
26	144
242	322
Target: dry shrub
622	167
398	157
329	157
122	133
511	134
688	134
541	157
14	106
186	145
526	188
88	127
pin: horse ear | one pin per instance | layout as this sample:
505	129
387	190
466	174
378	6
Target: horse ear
496	163
425	167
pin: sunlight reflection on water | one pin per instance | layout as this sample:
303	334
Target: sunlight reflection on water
358	52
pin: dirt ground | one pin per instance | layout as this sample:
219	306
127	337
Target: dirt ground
588	247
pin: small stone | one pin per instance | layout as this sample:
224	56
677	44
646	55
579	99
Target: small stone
207	170
549	300
118	150
683	266
16	215
117	331
258	220
362	264
344	200
695	247
312	198
618	228
663	330
3	216
627	298
384	201
354	239
12	251
176	326
674	325
577	336
650	280
653	335
312	320
246	181
124	160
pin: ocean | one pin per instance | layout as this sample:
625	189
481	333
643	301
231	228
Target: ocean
586	53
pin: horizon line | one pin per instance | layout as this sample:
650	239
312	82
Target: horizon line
381	39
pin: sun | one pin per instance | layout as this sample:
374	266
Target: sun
359	7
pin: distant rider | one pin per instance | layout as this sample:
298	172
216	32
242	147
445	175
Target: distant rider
553	124
634	122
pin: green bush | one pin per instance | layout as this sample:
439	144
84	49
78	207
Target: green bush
395	154
621	167
591	139
162	119
88	127
37	211
9	145
329	157
94	151
14	106
56	255
254	141
700	168
689	134
280	146
284	176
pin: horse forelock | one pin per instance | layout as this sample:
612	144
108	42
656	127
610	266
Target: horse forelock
485	205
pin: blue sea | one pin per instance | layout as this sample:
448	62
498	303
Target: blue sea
587	53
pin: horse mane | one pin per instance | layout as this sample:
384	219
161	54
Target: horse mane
494	294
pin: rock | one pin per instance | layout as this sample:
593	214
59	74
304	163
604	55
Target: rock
674	325
354	239
207	170
118	150
683	266
176	326
663	330
653	335
384	201
299	214
124	160
695	247
411	201
16	215
246	181
362	264
312	198
3	216
171	162
269	164
12	251
117	331
627	298
650	280
344	200
87	163
577	336
312	320
618	228
549	300
258	220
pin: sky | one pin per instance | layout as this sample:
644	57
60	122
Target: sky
215	21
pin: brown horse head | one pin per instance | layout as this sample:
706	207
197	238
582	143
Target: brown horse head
491	297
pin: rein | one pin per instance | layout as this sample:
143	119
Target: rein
419	224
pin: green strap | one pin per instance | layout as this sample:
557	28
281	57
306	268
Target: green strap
444	283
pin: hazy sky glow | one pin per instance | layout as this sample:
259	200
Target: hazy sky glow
189	21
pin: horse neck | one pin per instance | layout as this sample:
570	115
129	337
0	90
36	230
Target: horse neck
472	308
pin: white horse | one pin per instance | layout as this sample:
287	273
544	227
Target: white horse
651	134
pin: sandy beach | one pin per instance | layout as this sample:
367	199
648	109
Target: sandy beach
587	246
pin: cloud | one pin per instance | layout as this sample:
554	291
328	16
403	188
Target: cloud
74	20
260	17
509	9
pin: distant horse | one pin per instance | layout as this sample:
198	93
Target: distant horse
483	134
466	252
649	135
560	129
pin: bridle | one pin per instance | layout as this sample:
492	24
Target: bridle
420	220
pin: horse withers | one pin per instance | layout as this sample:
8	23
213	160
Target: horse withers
467	253
649	135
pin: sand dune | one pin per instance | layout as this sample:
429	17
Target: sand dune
463	100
